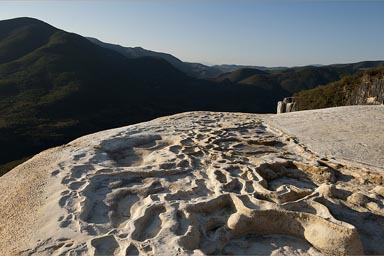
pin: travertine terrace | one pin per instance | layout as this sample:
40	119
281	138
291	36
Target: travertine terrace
193	183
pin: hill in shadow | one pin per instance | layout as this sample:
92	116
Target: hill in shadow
56	86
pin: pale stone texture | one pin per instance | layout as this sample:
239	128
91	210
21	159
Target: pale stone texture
201	183
353	133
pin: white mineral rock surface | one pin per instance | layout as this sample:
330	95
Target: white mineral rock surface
205	183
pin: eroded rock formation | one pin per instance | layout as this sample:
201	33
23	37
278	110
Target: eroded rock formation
200	183
288	104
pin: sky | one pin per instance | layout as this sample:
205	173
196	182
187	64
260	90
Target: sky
247	32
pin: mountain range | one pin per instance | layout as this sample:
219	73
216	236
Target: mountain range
193	69
291	80
56	86
296	79
197	70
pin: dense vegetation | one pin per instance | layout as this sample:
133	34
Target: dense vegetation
337	93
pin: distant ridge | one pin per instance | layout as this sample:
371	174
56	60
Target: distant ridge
193	69
197	70
56	86
240	74
295	79
225	68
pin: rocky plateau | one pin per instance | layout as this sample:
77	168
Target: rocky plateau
197	183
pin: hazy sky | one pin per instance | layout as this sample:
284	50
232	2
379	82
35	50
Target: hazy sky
269	33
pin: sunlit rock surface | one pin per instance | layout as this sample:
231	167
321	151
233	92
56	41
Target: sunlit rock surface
202	183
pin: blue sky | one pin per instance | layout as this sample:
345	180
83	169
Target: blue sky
268	33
